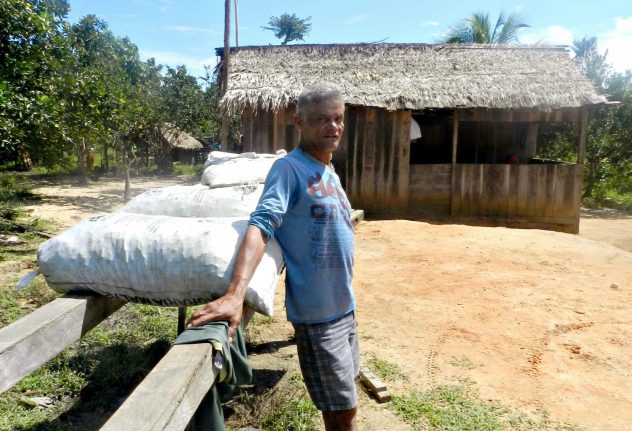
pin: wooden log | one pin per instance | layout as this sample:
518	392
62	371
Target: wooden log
34	339
374	385
169	396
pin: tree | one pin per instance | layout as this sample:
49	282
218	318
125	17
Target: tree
478	29
591	63
608	162
31	39
289	27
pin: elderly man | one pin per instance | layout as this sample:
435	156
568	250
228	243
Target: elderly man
304	206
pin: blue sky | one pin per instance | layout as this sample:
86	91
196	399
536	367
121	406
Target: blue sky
188	31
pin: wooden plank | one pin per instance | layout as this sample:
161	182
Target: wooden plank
31	341
403	159
169	396
374	385
369	169
455	142
246	139
581	138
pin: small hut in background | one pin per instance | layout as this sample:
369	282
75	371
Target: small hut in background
477	108
184	147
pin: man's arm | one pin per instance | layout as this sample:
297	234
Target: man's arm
229	307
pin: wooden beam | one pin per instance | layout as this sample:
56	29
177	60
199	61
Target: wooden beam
581	139
169	396
455	142
374	385
34	339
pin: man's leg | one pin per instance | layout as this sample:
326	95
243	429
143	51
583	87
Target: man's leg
340	420
329	358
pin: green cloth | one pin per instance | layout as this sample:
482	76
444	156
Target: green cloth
235	371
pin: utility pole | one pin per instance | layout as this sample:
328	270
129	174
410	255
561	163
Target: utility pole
225	120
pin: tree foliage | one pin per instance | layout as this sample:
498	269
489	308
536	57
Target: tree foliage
31	42
608	162
289	27
67	87
478	29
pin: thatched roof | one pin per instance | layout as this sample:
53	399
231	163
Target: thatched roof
180	139
410	76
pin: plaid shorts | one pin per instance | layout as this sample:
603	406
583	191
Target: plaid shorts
330	361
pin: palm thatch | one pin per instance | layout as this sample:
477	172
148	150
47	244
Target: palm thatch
410	76
180	139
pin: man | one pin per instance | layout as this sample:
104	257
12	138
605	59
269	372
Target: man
305	208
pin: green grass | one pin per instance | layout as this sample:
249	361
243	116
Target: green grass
455	408
186	169
386	370
285	407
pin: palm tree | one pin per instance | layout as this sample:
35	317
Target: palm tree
478	29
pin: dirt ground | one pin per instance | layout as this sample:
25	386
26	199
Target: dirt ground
531	318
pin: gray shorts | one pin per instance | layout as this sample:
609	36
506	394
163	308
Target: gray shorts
330	361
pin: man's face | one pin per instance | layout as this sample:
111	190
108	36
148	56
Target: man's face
323	125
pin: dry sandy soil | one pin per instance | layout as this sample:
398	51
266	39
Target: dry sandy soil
531	318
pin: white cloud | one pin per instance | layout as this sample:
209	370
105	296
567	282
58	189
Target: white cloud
357	18
552	35
186	29
618	42
429	24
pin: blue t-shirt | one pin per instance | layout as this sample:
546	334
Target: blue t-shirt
304	206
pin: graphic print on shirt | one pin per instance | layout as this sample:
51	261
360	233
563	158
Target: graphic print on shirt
331	207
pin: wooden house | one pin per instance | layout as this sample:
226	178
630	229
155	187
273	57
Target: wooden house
478	108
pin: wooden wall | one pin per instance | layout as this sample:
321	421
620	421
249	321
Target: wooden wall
376	148
429	189
373	163
269	131
547	195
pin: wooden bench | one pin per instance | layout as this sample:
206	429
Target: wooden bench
33	340
165	400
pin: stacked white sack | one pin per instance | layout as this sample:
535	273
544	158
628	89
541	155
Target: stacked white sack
158	260
227	169
197	201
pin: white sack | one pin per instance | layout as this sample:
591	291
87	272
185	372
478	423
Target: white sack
226	169
197	201
158	260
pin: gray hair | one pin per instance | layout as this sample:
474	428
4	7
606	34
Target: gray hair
317	93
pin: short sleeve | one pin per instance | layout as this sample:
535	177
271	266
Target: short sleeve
275	199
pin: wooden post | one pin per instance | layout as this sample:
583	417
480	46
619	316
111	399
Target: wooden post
531	143
581	139
31	341
455	141
236	27
225	119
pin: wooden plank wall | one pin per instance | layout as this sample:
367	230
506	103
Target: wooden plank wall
429	189
377	168
269	131
522	195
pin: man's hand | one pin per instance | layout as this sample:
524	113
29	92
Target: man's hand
229	308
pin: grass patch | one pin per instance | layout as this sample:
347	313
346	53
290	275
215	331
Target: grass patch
286	407
186	169
455	408
385	370
89	379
